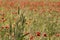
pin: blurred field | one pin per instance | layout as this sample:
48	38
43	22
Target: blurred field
29	20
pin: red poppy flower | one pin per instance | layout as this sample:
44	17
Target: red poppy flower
57	4
31	7
45	35
42	3
51	4
14	12
2	27
57	35
27	3
31	37
4	20
57	9
11	4
0	2
7	26
38	33
22	5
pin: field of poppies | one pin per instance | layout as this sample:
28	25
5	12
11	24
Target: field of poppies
29	20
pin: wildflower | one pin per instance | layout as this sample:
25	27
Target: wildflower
57	9
22	5
42	10
27	3
31	37
42	3
35	9
45	35
31	8
38	33
3	14
4	20
14	19
2	27
28	22
14	12
12	4
57	35
7	26
35	4
31	4
49	10
57	4
0	2
6	5
51	4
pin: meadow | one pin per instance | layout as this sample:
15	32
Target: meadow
29	20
